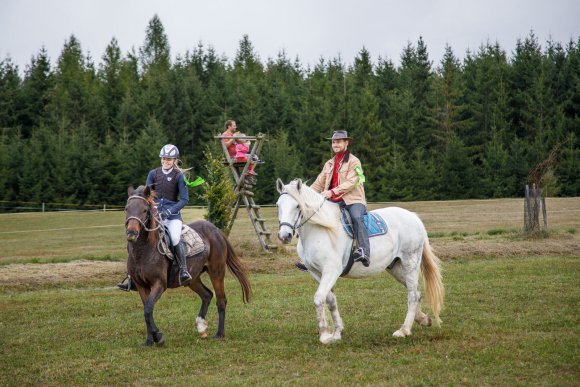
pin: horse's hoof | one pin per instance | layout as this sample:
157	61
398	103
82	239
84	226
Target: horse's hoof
399	333
201	325
160	339
203	335
326	338
218	337
148	343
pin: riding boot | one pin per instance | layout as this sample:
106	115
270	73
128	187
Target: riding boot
362	253
130	285
184	276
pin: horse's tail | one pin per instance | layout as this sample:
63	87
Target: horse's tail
431	271
239	271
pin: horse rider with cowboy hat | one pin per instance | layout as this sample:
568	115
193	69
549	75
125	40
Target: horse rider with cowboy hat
341	181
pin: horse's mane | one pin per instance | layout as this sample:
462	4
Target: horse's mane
153	236
310	204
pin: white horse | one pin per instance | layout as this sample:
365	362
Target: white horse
325	248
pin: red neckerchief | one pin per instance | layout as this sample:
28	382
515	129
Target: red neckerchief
334	182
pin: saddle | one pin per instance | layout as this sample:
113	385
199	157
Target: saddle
374	224
190	238
193	245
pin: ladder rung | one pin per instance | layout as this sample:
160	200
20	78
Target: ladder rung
260	220
265	233
271	247
244	192
255	206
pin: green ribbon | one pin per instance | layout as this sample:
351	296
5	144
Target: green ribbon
195	183
361	177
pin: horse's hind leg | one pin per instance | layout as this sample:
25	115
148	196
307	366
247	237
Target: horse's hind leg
217	280
406	271
397	272
206	295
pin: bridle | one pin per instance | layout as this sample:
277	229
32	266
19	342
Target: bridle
139	219
294	227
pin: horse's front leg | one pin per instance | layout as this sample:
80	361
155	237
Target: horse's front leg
336	319
149	297
327	281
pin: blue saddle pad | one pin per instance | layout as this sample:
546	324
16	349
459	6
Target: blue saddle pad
375	224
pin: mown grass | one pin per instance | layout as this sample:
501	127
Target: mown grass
507	322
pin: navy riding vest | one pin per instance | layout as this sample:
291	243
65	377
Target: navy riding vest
166	186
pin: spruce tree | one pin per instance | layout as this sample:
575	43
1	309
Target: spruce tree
9	94
36	88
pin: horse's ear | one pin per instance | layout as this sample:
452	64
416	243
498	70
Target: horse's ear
299	185
147	191
130	190
279	185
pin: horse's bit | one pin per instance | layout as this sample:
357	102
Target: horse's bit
293	226
139	219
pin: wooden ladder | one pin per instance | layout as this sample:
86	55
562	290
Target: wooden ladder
243	192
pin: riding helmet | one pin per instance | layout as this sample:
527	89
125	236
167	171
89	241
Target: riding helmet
169	151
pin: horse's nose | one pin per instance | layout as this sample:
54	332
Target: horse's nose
285	237
132	235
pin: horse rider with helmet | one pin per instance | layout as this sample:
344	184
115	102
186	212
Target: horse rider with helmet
341	181
171	196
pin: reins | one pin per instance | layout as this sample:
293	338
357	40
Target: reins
294	227
161	247
139	219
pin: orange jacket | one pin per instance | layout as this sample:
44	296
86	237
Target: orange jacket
347	187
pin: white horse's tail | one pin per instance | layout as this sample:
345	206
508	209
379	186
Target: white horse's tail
431	271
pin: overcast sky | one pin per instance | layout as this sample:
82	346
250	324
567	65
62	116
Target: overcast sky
307	29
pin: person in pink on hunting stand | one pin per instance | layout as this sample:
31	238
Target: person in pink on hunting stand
242	150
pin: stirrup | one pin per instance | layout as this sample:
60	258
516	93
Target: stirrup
184	281
127	287
360	256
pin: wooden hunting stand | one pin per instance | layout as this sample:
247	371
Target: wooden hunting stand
242	189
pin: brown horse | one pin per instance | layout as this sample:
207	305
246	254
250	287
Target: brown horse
150	270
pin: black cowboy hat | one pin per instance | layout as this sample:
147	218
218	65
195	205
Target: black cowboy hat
340	135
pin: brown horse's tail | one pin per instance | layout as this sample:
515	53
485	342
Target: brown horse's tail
431	271
239	271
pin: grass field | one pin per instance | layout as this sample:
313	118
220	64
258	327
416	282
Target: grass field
511	316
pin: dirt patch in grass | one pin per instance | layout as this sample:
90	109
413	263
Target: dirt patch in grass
81	273
76	273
